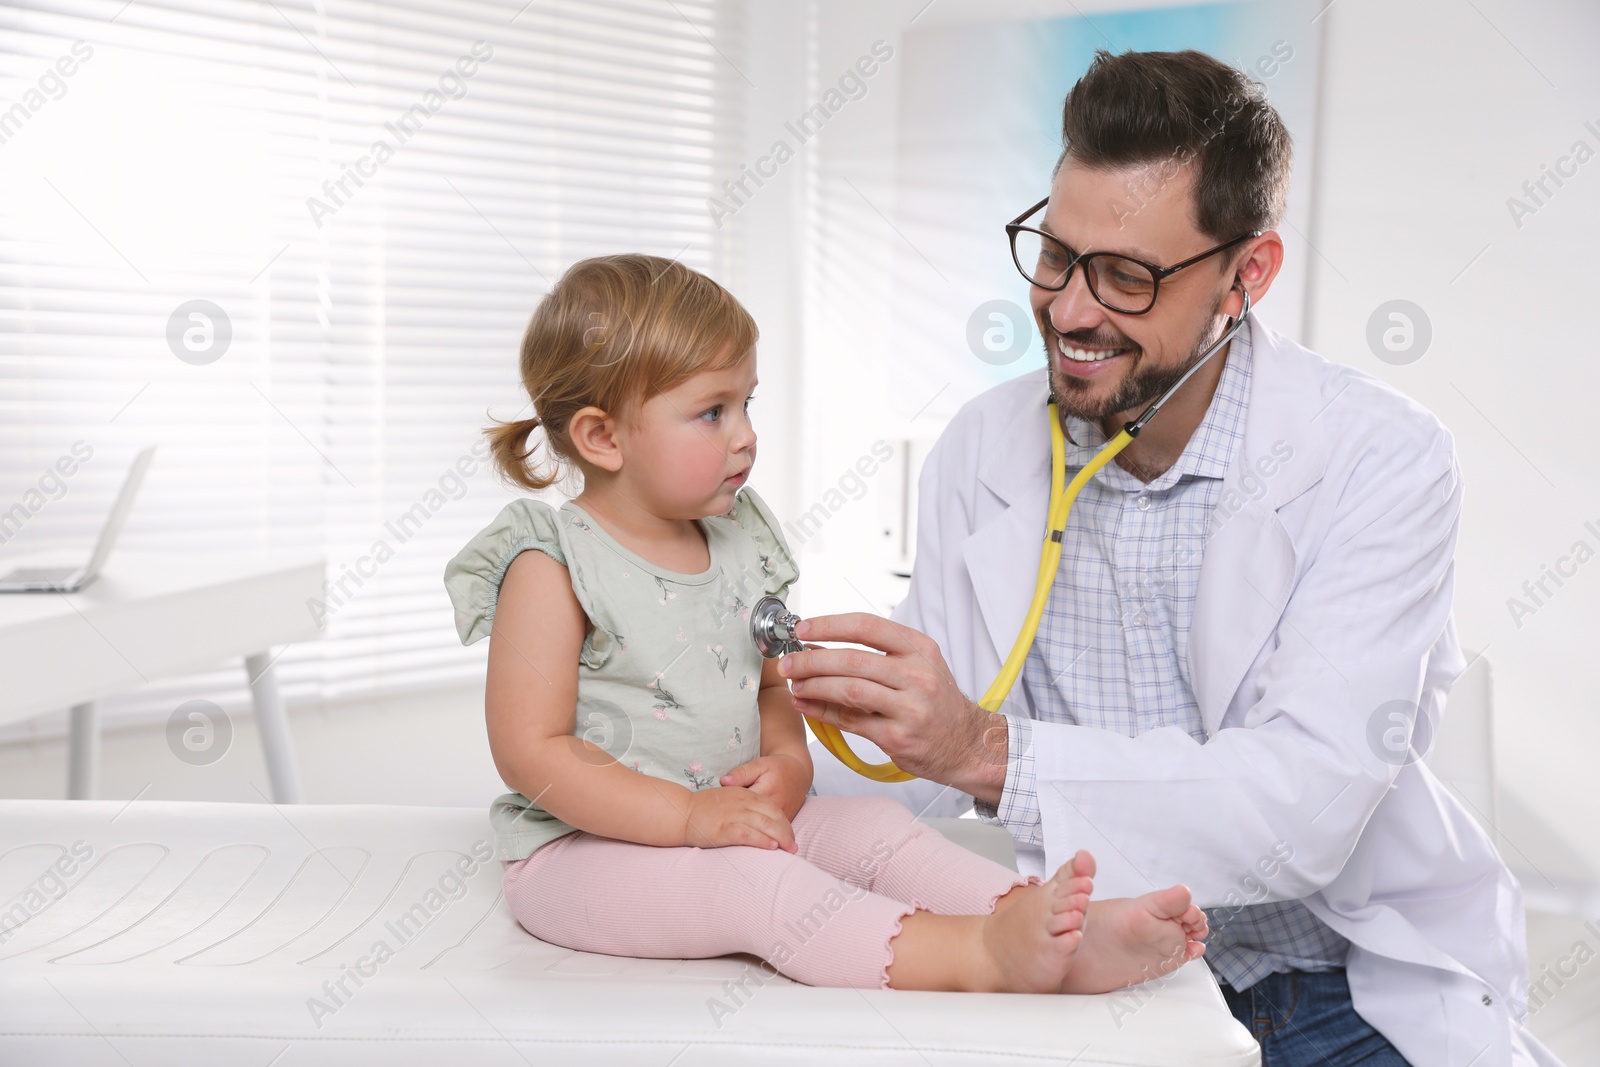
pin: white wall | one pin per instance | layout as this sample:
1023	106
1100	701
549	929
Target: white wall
1434	114
821	229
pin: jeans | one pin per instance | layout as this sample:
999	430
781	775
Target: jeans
1306	1019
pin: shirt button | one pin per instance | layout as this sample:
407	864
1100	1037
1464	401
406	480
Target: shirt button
1487	1000
1143	501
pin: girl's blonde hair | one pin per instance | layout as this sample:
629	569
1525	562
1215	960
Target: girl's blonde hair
614	332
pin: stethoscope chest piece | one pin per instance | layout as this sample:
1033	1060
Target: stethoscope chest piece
772	628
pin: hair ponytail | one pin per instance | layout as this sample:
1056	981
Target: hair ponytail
510	448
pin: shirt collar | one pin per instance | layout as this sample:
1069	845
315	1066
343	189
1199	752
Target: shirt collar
1210	450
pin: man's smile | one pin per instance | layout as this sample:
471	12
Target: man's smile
1088	361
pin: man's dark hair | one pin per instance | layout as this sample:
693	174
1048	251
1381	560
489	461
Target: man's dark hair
1172	108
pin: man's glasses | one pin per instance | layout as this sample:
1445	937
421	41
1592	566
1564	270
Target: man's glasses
1123	284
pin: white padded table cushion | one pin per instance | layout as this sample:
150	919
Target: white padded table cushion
200	933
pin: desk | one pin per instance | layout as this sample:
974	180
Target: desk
150	615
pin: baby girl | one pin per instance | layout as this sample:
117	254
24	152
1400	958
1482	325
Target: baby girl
659	764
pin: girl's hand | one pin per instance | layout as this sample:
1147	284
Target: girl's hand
782	778
733	815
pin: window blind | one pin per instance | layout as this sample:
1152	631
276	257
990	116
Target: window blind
367	200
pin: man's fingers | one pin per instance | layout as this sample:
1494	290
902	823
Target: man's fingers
858	723
832	714
862	628
841	662
854	693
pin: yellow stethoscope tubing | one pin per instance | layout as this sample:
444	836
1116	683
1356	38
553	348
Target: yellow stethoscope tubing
1049	557
1049	561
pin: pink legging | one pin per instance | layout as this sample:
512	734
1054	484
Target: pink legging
823	916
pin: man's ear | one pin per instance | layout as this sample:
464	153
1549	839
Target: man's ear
1256	270
594	434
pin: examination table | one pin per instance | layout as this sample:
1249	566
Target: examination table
168	933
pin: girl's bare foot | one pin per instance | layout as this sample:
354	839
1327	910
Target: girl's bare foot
1131	940
1028	945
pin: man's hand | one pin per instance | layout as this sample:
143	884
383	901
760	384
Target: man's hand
902	698
781	778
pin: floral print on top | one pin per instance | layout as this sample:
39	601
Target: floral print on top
676	699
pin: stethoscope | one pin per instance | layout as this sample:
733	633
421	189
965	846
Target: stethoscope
772	624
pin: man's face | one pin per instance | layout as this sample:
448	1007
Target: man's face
1132	358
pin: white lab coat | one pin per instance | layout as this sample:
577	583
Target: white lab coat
1324	595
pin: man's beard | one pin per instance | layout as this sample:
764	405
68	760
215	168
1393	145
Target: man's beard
1071	395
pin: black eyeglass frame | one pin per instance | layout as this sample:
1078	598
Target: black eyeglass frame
1157	273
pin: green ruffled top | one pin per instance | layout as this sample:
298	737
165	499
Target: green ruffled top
668	674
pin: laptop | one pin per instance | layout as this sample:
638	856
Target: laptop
70	579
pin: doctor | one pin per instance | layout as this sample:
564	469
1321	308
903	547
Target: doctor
1252	610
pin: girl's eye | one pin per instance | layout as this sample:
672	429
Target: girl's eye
747	400
715	412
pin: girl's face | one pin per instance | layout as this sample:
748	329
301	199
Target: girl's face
688	450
